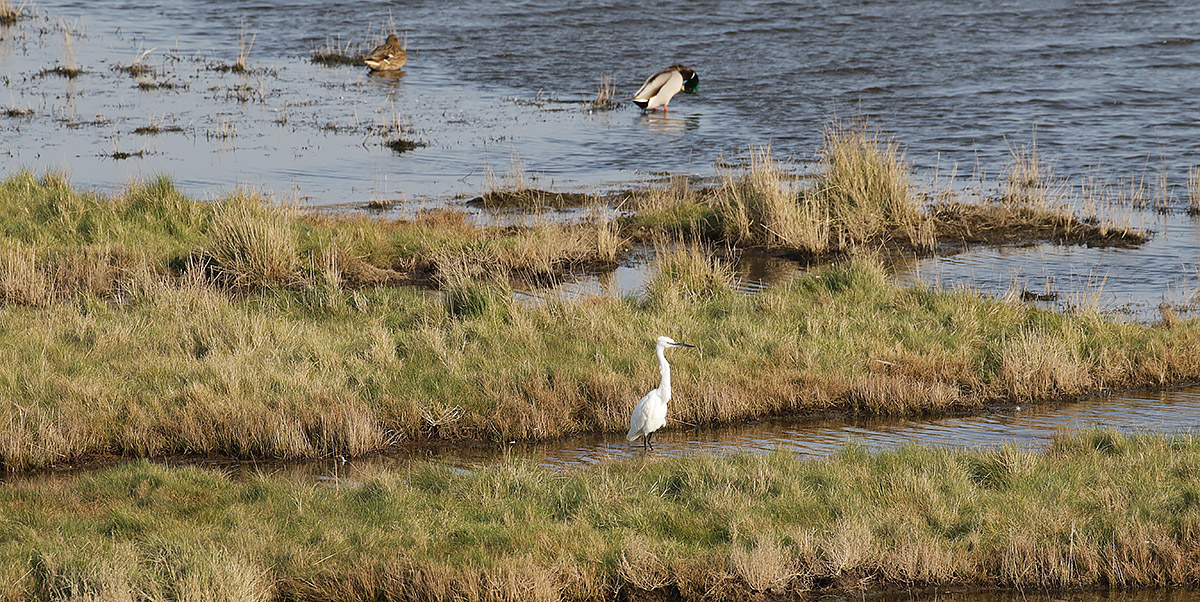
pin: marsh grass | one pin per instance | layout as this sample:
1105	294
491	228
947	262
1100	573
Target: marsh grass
1094	510
136	68
760	207
689	272
336	53
252	245
514	190
1193	190
10	13
863	184
69	68
14	112
605	98
244	47
861	199
147	323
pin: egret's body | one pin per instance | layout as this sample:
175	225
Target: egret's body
660	87
650	414
388	56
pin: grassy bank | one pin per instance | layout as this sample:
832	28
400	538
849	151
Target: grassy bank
152	324
1094	510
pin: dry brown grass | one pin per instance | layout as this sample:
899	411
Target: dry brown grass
252	244
1193	190
759	207
10	13
606	94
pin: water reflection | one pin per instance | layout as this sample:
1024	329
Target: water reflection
1167	412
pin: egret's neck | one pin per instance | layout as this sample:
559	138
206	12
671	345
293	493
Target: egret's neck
664	387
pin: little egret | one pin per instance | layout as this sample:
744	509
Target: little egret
650	414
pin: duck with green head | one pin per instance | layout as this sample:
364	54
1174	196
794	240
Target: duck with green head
660	87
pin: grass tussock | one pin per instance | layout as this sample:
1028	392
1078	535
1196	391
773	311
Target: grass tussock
862	198
606	94
11	13
1095	510
148	323
1193	191
514	190
863	184
336	53
252	245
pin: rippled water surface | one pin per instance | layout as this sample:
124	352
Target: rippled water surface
1109	85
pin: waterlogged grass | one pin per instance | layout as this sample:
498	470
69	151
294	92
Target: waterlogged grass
69	237
151	324
1094	510
862	197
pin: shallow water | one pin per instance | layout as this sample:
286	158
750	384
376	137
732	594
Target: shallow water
1112	89
1109	87
1175	411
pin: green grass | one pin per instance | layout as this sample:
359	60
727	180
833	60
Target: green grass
150	324
1097	509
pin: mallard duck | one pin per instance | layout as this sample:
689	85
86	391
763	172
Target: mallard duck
389	56
660	87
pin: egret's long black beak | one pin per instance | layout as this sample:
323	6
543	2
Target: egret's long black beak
683	345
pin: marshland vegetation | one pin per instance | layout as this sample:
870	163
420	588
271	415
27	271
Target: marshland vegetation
1094	510
148	323
862	195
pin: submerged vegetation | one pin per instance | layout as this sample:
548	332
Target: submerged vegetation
149	323
1097	509
336	53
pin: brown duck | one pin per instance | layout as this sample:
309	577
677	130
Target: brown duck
389	56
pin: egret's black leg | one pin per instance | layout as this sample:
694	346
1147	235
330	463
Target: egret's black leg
649	445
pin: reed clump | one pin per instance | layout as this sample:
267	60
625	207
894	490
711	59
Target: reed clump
862	198
606	93
1193	191
337	53
10	13
863	184
1095	510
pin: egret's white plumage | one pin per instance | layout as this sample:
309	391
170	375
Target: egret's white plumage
660	87
650	414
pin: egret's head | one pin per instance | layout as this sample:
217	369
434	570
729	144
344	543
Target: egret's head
665	342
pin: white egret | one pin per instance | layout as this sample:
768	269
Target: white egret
650	414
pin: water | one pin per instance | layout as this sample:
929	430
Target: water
1108	85
1175	411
